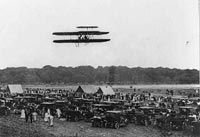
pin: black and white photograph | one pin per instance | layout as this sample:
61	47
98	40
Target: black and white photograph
99	68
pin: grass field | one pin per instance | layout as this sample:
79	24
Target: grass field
13	126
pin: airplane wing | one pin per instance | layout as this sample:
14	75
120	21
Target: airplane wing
81	41
81	33
87	27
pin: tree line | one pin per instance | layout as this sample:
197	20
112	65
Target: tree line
90	75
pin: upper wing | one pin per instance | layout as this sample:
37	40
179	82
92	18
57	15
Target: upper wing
81	33
87	27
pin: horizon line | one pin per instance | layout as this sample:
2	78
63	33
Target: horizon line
100	66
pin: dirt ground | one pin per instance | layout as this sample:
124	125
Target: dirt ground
13	126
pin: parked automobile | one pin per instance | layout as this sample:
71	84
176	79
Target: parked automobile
144	116
177	122
115	119
73	115
98	121
44	106
181	120
17	109
88	115
4	110
101	108
195	128
130	114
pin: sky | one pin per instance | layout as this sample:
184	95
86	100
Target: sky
143	33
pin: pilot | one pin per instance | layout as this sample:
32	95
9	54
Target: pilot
80	37
86	37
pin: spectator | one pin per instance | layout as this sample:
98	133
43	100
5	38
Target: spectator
34	115
51	120
58	111
46	117
22	113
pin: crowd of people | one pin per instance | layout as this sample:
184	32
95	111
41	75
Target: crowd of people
29	113
31	103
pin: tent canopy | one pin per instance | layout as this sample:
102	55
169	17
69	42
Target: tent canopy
106	90
15	88
89	89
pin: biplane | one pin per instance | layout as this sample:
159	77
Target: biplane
86	36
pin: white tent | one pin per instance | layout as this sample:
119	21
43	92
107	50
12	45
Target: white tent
89	89
15	88
106	90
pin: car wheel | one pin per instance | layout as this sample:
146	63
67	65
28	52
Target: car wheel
100	125
183	126
146	123
93	124
6	113
67	118
116	126
170	125
136	122
86	119
75	118
191	129
126	121
106	124
160	124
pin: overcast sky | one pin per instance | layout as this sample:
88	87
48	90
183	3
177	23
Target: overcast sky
144	33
